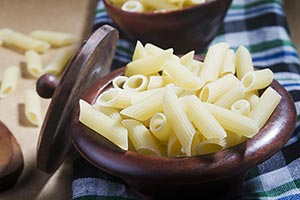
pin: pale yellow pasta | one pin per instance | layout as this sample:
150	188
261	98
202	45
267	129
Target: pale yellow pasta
181	76
4	32
119	81
103	125
26	42
139	51
213	90
155	82
233	121
152	49
145	94
159	4
187	58
241	106
115	98
146	107
136	83
148	65
243	62
32	107
227	99
202	119
113	113
196	67
233	139
34	63
252	98
193	2
267	103
9	81
228	65
213	61
179	121
255	80
54	38
133	6
207	146
160	127
141	138
57	65
174	146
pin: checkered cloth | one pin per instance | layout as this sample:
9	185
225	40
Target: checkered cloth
261	26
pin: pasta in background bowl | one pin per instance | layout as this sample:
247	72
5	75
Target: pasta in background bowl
182	29
216	174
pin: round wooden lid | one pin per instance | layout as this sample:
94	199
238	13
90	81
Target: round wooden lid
92	61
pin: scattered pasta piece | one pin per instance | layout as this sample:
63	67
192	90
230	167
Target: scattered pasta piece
10	81
33	107
59	62
56	39
34	63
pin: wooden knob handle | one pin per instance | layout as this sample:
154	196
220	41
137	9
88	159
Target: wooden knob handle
46	85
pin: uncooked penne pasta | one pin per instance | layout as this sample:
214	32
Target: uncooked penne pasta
193	2
103	125
207	146
136	83
233	139
160	127
213	90
54	38
243	62
213	61
26	42
241	106
179	121
5	31
174	146
139	51
9	81
59	62
159	4
34	63
187	59
267	103
133	6
33	107
227	99
148	65
252	98
233	121
115	98
202	119
113	113
255	80
141	138
182	76
119	81
228	65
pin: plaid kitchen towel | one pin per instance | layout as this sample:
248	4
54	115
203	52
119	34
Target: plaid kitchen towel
261	26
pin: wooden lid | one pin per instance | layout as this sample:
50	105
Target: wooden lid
92	61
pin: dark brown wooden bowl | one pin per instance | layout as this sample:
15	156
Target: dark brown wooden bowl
216	175
184	30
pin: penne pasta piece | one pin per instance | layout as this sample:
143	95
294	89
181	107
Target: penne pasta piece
213	61
155	82
34	63
139	51
255	80
233	121
119	81
243	62
178	120
152	49
4	32
59	62
228	65
252	98
146	107
136	83
267	103
145	94
207	146
24	42
227	99
213	90
233	139
241	106
181	76
54	38
187	59
159	4
10	81
160	127
193	2
148	65
33	107
103	125
113	113
174	147
115	98
133	6
141	138
196	66
202	119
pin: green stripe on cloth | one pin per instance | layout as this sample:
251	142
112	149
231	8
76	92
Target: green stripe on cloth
269	45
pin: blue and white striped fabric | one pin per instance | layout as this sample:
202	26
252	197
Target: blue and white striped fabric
261	26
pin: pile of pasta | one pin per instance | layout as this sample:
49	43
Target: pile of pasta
154	5
170	106
33	45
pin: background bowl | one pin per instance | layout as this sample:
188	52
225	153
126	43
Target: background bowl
184	30
216	175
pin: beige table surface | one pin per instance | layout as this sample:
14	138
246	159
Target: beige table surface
68	16
71	16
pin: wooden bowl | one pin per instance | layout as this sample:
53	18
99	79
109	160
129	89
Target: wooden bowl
184	30
216	175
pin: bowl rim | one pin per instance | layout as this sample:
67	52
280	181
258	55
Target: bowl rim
109	5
